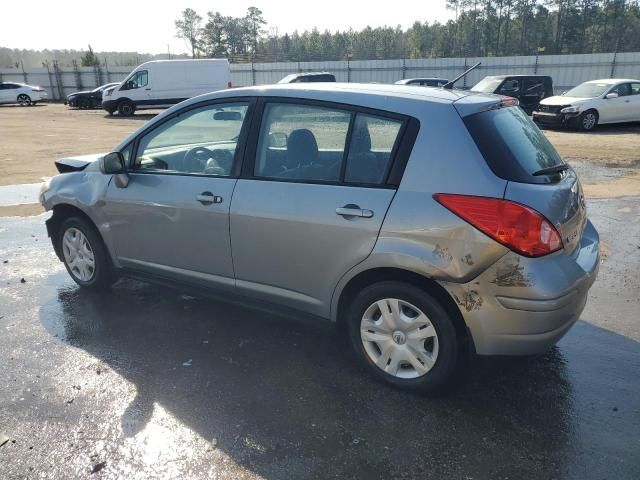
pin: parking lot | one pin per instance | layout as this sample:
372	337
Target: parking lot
148	382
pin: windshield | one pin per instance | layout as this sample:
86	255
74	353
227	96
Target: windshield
588	90
487	85
512	145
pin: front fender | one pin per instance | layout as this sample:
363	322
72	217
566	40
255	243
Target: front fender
84	190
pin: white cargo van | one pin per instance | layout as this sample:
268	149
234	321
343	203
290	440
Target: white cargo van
162	83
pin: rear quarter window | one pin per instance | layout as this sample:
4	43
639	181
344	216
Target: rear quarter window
512	145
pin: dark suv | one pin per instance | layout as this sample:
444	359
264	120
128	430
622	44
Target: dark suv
528	89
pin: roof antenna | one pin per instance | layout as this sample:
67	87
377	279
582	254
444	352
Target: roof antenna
449	85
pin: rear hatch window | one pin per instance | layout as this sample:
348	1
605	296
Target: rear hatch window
516	150
512	145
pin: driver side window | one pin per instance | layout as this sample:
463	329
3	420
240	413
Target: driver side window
201	141
139	80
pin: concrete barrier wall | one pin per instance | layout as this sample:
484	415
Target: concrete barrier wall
566	71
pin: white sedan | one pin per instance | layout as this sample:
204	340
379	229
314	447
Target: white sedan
592	103
21	94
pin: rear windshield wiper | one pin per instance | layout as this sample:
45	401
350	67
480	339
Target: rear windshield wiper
551	170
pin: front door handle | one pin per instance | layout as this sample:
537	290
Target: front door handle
354	211
147	89
208	198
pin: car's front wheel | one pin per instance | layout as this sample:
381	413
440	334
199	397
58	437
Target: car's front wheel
126	108
24	100
403	335
84	254
588	120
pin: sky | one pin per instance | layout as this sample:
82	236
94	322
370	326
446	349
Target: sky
148	27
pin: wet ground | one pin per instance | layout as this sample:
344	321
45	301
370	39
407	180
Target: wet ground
146	382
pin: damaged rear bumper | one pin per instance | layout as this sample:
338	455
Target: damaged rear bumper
523	306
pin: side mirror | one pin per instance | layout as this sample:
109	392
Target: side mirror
112	163
611	95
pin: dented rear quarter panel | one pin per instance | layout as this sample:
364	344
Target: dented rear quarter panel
420	235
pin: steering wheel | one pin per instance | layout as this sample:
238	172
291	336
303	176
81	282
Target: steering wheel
196	159
223	158
204	160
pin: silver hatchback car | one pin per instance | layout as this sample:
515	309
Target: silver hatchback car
424	221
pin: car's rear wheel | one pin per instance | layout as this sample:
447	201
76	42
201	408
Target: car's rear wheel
84	254
403	335
588	120
24	100
126	108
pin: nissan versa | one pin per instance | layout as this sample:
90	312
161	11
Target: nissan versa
423	221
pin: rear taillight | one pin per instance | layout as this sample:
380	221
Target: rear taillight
515	226
229	85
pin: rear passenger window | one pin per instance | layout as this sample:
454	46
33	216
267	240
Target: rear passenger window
372	145
302	142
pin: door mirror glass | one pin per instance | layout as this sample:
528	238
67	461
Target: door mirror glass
611	95
227	115
112	163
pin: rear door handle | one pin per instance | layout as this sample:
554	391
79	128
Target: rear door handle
354	211
208	198
147	89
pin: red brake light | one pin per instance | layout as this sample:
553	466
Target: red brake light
229	84
515	226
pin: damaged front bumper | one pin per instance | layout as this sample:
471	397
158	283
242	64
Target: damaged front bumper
555	119
523	306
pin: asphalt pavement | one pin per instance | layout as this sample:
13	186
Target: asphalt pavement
149	382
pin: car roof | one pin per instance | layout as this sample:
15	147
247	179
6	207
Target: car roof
517	76
330	91
611	81
402	99
421	79
304	74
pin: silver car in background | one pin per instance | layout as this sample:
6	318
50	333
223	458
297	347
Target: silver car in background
425	222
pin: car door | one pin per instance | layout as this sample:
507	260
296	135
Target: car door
510	87
532	92
311	200
172	219
616	109
633	104
137	88
8	93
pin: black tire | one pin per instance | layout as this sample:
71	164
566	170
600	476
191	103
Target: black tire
588	120
126	108
84	103
447	356
102	276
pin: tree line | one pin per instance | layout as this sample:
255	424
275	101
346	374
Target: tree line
19	58
479	28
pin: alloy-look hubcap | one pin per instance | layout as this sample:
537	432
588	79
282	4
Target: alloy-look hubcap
78	254
399	338
589	121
